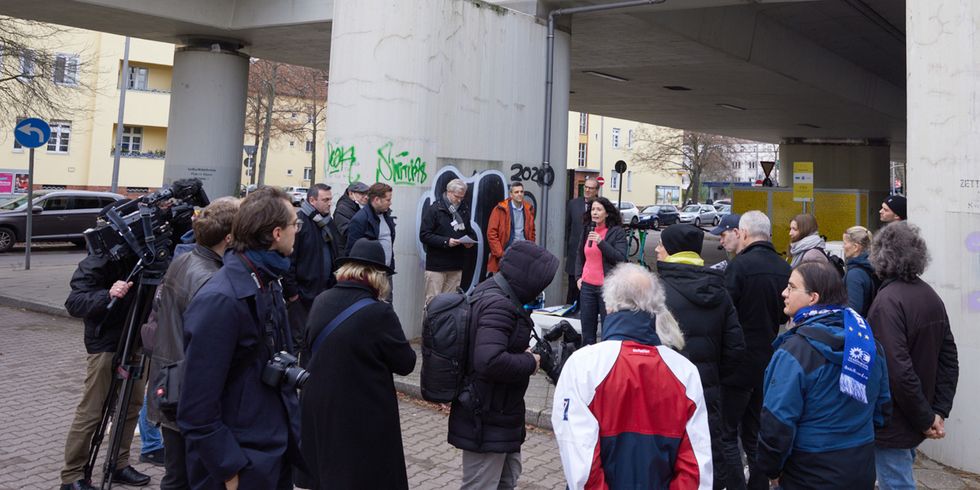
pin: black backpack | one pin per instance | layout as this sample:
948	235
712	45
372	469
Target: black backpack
835	261
445	346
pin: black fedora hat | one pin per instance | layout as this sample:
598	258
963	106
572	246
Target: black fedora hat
369	252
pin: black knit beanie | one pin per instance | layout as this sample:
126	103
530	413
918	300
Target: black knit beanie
682	238
897	204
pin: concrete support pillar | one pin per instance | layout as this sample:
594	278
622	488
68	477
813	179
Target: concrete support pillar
943	52
841	166
421	90
207	116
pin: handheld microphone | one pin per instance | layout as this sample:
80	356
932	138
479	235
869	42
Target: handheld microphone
591	229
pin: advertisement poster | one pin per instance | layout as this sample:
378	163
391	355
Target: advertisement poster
6	182
20	183
13	181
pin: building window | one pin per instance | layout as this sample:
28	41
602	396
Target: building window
583	123
132	139
668	194
17	145
309	146
614	181
630	139
753	165
615	138
27	66
629	181
292	144
582	149
289	172
60	134
138	77
307	173
737	165
65	69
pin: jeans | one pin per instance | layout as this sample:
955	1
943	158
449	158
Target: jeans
593	308
741	409
894	467
150	438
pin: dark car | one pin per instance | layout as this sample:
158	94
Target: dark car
653	217
59	216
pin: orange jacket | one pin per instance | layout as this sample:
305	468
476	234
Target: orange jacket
498	231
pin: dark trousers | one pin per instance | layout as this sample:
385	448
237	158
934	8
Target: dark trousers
174	461
298	311
741	410
593	308
573	292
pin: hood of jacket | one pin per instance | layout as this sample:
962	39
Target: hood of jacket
638	326
859	261
700	285
825	333
528	269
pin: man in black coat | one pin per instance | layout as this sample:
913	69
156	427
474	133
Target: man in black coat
487	418
354	198
241	425
94	284
312	261
697	297
444	223
374	222
575	217
755	279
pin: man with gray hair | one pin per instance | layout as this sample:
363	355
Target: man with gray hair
444	224
755	279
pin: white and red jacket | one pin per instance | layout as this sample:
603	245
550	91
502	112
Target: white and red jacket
631	415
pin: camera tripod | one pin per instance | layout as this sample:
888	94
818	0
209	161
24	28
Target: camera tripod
128	364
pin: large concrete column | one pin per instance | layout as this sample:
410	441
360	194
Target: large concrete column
207	116
944	191
419	87
841	166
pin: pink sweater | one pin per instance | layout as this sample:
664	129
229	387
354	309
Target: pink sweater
592	269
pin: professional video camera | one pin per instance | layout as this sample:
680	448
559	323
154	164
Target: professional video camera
144	226
568	341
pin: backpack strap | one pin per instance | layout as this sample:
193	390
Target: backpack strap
337	320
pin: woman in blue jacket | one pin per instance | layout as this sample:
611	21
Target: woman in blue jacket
826	389
860	278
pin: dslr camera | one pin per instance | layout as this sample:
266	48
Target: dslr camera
283	371
567	340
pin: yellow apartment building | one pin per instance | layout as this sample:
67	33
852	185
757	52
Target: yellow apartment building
596	142
80	152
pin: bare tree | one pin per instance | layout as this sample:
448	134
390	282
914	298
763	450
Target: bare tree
265	118
696	155
307	91
36	78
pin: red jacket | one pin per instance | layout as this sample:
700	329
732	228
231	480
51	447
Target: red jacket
498	231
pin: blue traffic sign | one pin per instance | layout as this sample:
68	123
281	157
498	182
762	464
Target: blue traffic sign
32	132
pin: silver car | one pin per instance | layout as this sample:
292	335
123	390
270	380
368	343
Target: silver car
629	212
700	214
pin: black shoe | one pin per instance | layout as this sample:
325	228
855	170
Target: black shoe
153	457
79	485
129	476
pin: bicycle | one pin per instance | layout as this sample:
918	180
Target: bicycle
636	240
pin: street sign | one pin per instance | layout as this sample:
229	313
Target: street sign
600	180
249	149
767	167
32	132
620	166
803	181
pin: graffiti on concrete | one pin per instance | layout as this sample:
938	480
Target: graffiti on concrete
342	159
484	190
534	174
399	168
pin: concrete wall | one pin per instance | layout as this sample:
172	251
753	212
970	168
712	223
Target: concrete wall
944	191
418	86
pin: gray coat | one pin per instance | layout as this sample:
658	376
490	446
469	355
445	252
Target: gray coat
574	211
185	276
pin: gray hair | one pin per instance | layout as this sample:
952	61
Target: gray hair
456	185
899	252
631	287
756	224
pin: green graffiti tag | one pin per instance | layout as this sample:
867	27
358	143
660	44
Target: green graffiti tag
399	169
341	159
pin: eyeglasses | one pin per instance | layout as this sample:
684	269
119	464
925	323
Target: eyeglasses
791	288
298	224
591	188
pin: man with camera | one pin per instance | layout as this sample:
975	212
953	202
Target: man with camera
487	417
98	280
238	407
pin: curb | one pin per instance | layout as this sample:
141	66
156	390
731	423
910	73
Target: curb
34	306
537	418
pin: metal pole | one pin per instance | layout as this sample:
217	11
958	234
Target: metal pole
30	209
123	85
548	89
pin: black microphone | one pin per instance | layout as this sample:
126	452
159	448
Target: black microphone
591	229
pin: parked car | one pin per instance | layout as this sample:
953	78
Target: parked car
59	216
629	212
700	214
296	194
653	217
721	202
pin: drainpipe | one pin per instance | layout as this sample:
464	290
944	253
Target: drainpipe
549	87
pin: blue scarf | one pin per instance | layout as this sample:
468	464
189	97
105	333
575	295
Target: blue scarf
859	348
269	262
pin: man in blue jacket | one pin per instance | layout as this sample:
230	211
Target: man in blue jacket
374	222
241	427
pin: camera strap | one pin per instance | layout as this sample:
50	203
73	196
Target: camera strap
337	320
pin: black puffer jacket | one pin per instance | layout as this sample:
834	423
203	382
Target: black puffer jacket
345	210
89	300
499	367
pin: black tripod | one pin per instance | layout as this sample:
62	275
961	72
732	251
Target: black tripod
128	364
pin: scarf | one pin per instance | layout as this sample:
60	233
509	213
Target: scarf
859	348
269	262
800	247
689	258
454	211
638	326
